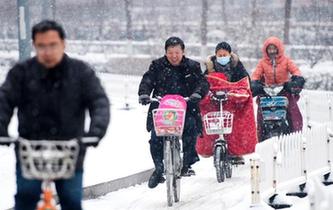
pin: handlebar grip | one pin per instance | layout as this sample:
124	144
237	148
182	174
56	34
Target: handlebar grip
7	140
89	140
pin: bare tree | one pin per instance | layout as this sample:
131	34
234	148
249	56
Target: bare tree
48	9
101	5
203	27
224	14
254	13
253	28
129	33
287	11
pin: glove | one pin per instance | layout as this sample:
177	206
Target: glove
195	98
295	85
257	88
144	99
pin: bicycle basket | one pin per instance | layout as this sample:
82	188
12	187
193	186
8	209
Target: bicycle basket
48	160
215	124
169	122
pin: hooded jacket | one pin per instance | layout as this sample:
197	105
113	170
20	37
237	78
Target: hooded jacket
278	74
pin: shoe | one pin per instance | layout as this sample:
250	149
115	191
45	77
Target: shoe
155	179
187	171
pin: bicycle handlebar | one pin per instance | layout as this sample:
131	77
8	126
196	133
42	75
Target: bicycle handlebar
158	99
83	140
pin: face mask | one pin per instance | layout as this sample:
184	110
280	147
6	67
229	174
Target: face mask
272	55
223	60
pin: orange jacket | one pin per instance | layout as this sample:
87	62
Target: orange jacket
284	65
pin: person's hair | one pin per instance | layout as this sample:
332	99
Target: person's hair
224	46
47	25
174	41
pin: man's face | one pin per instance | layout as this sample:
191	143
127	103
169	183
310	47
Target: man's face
49	48
272	51
174	54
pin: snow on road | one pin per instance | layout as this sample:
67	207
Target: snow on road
197	192
125	151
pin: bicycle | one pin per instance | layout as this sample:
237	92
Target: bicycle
169	121
220	123
48	160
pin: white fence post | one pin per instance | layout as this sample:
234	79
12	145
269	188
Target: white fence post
303	158
255	181
281	202
276	149
329	111
328	178
307	113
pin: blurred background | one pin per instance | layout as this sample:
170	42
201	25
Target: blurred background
123	36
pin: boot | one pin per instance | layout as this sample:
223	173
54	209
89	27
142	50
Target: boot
155	179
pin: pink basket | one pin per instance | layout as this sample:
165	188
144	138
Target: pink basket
169	118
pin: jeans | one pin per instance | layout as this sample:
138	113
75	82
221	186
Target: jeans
68	190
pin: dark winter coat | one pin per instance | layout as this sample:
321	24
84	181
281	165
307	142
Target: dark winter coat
234	70
52	102
162	78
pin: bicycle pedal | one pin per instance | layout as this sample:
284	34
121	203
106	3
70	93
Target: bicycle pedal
188	173
238	163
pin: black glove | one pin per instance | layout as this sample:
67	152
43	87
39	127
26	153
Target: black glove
257	88
295	85
195	98
144	99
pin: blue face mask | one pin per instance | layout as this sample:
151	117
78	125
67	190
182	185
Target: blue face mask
223	60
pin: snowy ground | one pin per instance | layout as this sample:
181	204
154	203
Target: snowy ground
125	151
199	192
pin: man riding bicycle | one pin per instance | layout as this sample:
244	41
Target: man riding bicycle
174	74
52	92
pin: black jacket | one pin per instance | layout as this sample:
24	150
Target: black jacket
52	102
162	78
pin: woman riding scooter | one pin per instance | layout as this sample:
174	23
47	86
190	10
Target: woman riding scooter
275	68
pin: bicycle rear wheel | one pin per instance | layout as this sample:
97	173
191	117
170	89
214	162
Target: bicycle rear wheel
218	163
228	168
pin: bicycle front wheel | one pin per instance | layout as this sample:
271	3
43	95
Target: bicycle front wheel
169	173
218	163
177	162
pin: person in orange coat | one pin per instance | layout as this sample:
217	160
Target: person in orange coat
275	68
